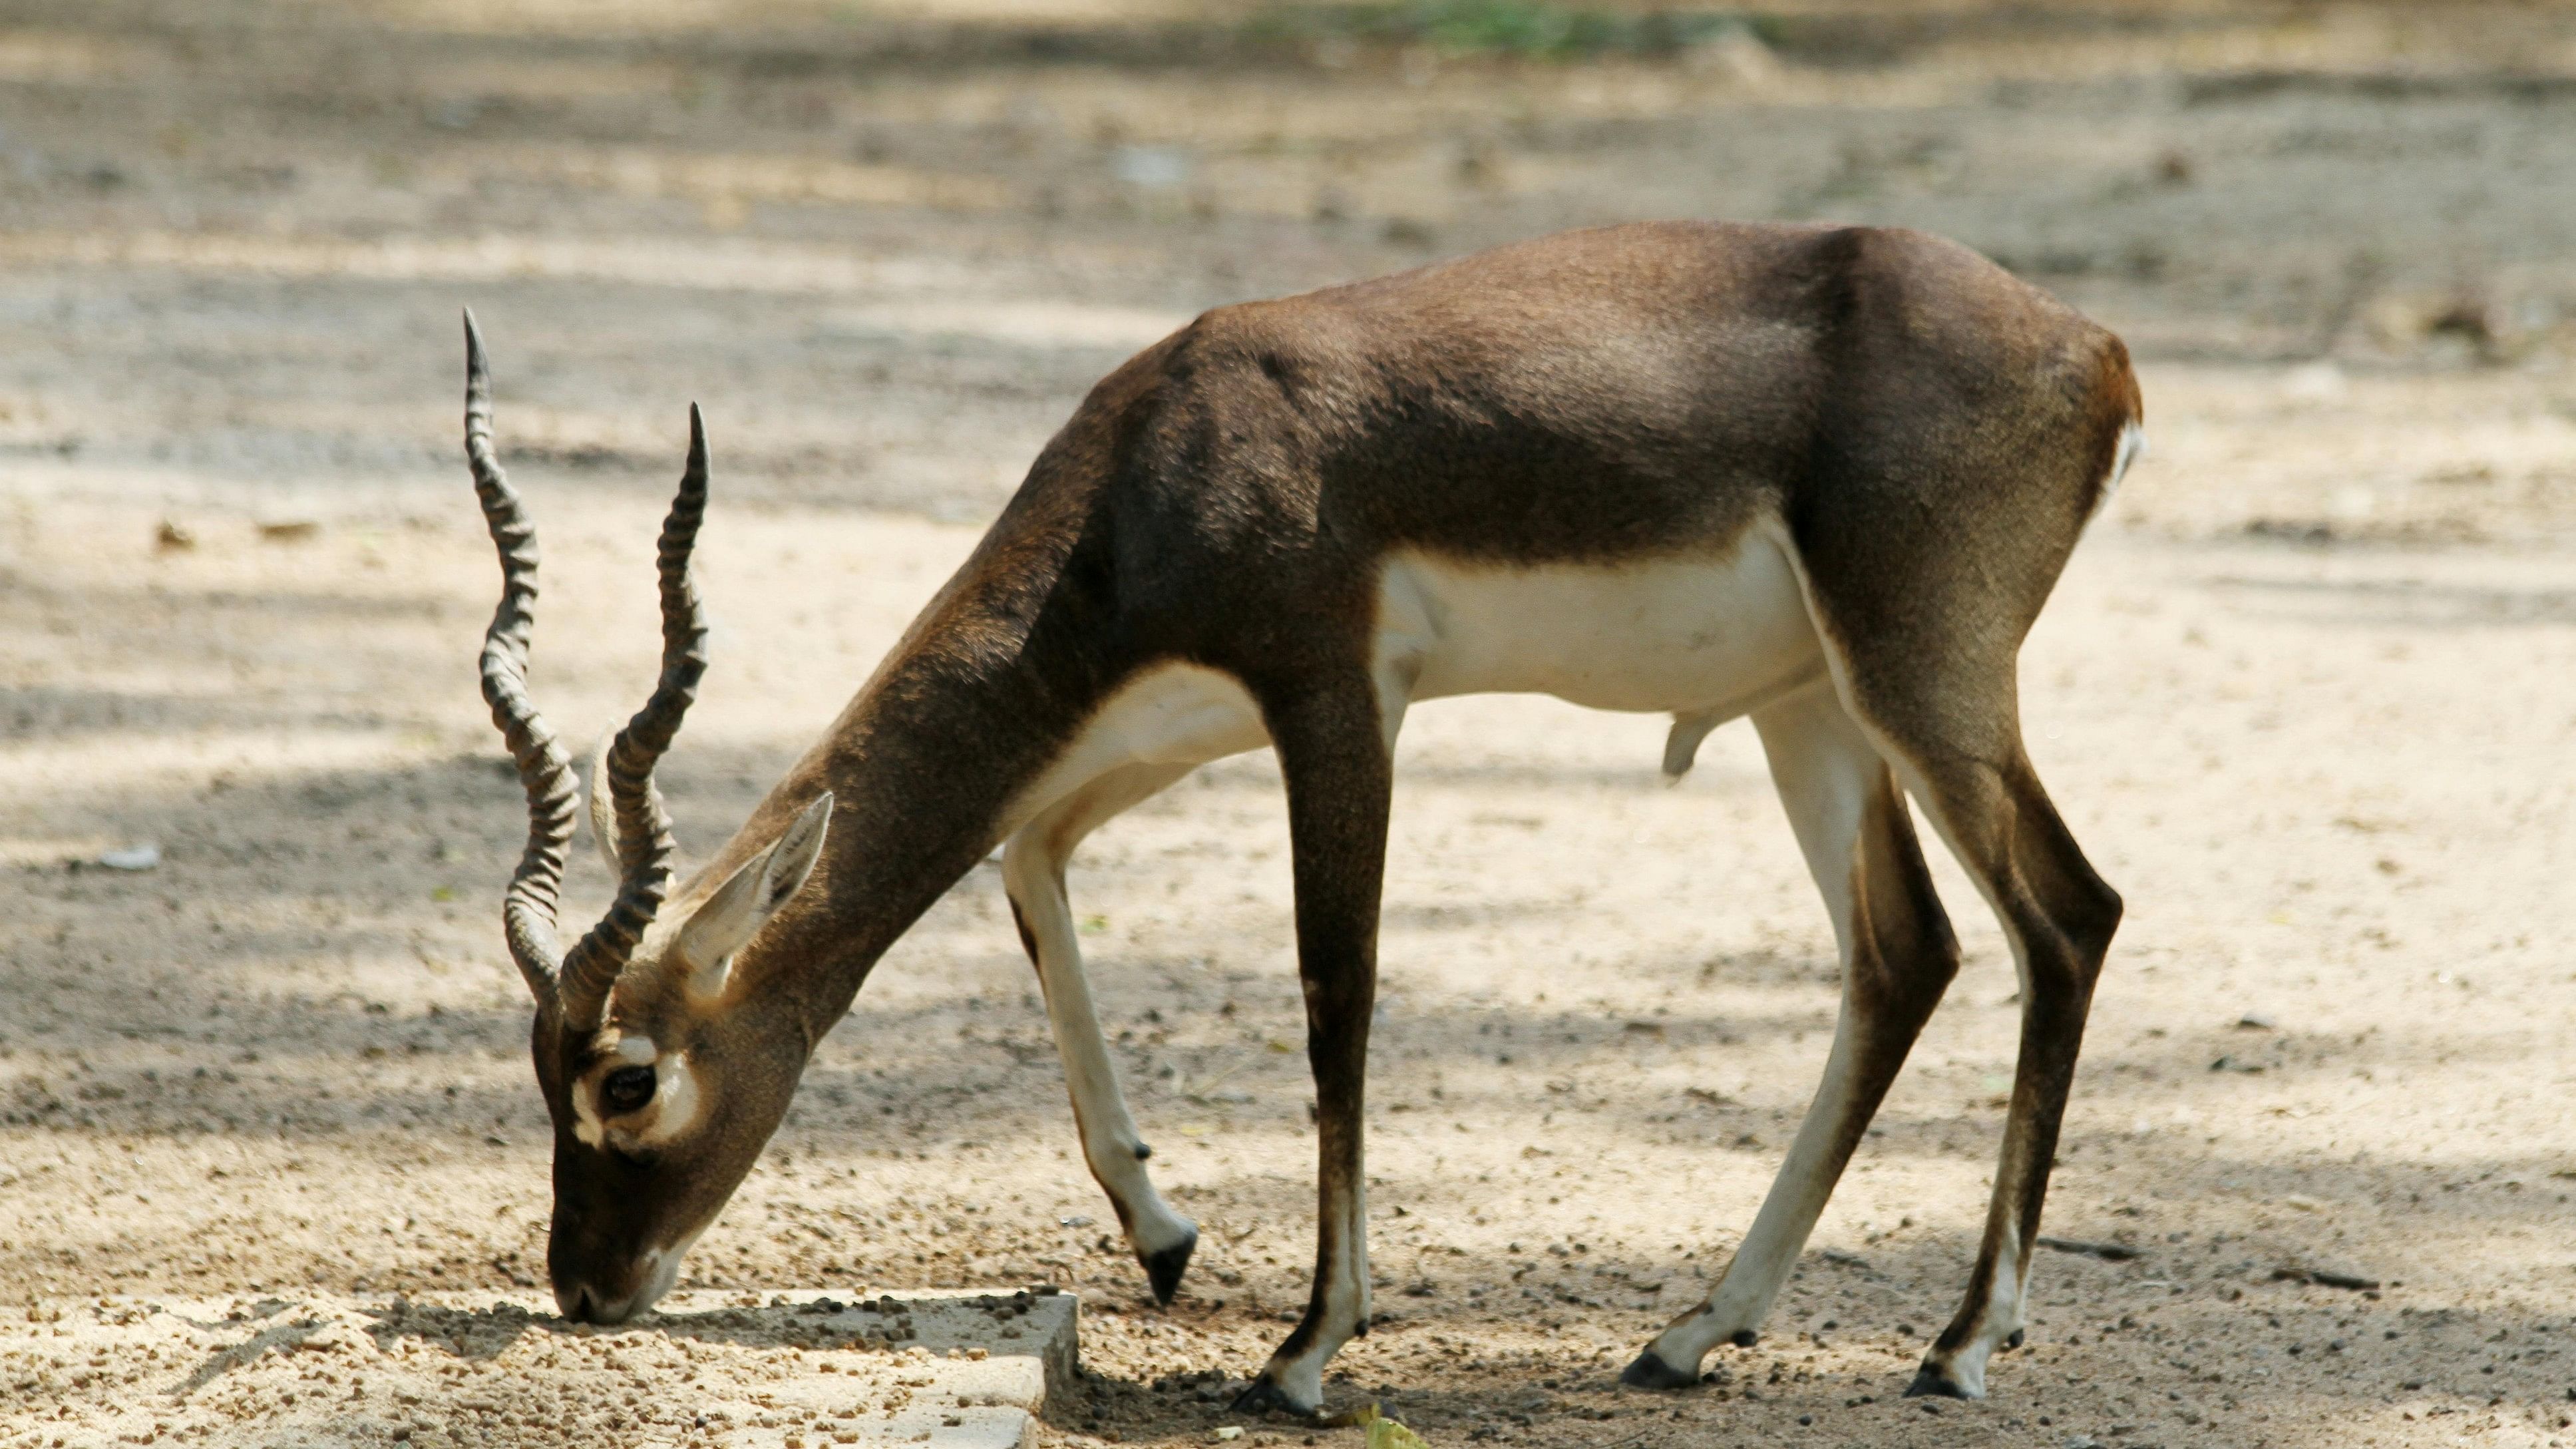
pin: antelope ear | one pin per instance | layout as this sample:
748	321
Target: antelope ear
749	898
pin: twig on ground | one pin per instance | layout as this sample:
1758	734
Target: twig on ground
2324	1279
2107	1252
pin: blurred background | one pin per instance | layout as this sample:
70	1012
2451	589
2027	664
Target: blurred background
889	243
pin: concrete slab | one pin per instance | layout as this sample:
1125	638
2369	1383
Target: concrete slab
948	1369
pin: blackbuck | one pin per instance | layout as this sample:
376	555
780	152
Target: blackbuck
1821	476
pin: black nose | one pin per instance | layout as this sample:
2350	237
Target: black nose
578	1305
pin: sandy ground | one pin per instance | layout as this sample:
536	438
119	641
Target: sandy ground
2306	695
957	1370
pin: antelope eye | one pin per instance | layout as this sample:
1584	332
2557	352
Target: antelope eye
627	1089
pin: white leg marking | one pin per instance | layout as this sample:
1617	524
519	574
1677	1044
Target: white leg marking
2001	1320
1155	729
1346	1312
1824	768
1033	873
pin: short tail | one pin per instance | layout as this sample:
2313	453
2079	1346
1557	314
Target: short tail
2132	442
2133	446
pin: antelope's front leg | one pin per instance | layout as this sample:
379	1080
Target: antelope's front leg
1336	760
1033	876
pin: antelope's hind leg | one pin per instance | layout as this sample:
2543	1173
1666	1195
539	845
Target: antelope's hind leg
1898	955
1033	875
1943	709
2058	916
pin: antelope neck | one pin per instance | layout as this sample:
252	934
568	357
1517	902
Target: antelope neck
924	766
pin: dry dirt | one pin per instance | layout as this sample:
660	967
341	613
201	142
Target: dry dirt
2308	695
960	1369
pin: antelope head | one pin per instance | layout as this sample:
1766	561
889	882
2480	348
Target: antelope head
661	1086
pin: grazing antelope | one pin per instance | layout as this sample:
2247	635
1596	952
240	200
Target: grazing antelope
1822	476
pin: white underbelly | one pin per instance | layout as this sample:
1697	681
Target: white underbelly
1706	637
1686	634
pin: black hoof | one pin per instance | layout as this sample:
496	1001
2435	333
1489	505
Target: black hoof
1930	1382
1263	1397
1163	1270
1743	1338
1647	1371
2013	1342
